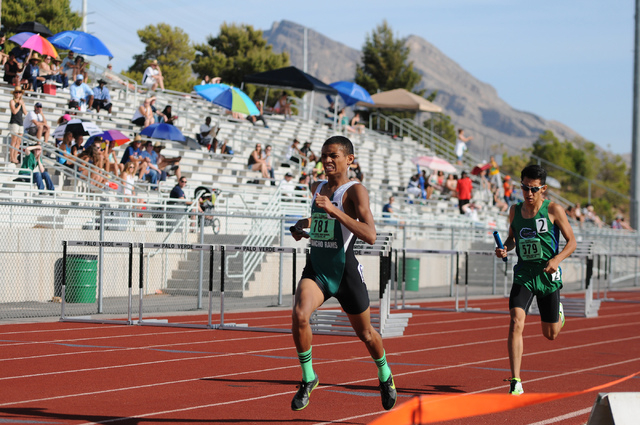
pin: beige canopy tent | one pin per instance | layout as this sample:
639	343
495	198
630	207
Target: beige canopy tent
401	99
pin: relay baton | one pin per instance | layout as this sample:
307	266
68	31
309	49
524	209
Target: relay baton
496	236
294	229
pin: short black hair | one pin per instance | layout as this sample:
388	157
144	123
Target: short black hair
534	172
347	146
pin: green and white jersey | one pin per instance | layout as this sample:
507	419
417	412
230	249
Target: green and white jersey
331	242
537	238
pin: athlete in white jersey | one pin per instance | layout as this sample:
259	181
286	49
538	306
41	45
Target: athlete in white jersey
340	213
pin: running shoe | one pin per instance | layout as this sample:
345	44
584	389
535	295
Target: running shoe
515	387
562	314
388	393
301	399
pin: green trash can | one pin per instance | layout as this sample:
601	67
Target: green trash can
413	274
82	273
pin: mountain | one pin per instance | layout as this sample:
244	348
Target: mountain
472	104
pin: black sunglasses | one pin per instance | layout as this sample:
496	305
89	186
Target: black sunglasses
534	189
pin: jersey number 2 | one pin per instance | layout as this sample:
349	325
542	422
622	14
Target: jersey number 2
541	225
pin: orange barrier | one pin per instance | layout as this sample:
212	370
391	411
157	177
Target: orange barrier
430	409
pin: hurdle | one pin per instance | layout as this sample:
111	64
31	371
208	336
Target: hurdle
336	322
63	299
608	264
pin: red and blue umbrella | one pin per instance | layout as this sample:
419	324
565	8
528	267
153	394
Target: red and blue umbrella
111	135
351	93
228	97
81	43
163	131
35	42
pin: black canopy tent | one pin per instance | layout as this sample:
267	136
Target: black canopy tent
289	78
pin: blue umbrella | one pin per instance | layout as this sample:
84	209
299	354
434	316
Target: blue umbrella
163	131
228	97
351	93
80	42
21	37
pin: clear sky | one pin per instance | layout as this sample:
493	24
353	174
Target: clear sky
568	60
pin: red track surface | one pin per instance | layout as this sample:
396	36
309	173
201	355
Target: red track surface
76	373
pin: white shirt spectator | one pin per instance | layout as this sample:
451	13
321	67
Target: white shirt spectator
31	116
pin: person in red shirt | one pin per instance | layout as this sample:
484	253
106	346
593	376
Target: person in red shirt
508	189
464	189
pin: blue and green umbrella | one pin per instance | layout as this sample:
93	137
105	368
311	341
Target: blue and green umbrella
228	97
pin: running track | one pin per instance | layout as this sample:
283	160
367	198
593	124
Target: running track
73	373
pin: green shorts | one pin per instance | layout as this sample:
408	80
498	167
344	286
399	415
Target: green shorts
531	276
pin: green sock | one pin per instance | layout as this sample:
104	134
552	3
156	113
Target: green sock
383	368
308	374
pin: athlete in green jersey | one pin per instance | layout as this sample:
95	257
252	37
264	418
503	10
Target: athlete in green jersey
340	213
534	232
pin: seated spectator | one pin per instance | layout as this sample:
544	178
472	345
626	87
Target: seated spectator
170	165
16	123
153	174
12	70
471	210
45	66
69	65
35	123
110	160
93	155
81	94
619	223
77	147
167	115
225	149
282	106
79	68
67	157
450	185
295	154
4	57
287	185
257	163
207	133
102	98
32	73
209	80
110	75
33	161
592	217
354	125
413	188
143	117
128	176
59	76
268	159
498	201
308	153
355	173
255	118
178	193
577	211
152	77
20	54
388	211
133	154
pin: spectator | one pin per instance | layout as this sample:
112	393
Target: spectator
355	126
498	201
494	174
268	159
577	211
294	153
32	73
619	223
164	162
59	76
35	123
255	118
461	145
66	158
508	190
450	185
282	106
143	117
3	54
152	77
178	193
16	122
355	172
69	65
167	115
81	94
464	190
109	74
207	133
79	68
257	163
308	153
471	210
413	188
387	210
110	159
45	68
592	217
12	70
33	161
153	174
133	154
287	185
102	98
93	155
77	147
128	176
343	120
209	80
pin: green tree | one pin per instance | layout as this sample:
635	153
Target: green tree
385	63
442	126
55	14
174	52
237	51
